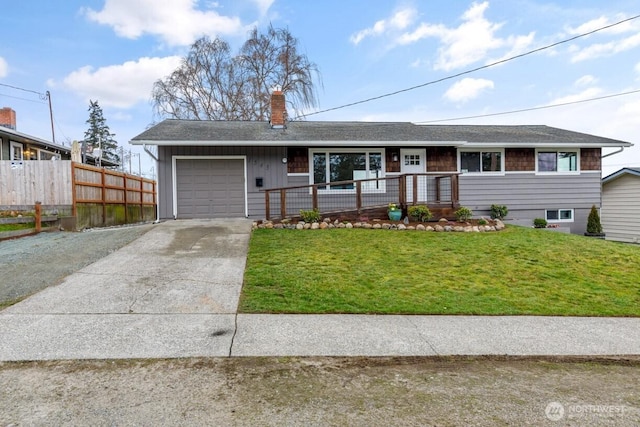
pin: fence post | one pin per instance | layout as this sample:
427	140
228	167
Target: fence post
402	196
358	196
314	197
38	218
267	207
283	203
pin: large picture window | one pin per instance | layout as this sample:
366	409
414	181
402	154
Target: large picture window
336	166
557	161
481	161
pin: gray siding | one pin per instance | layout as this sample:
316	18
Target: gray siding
528	195
620	214
262	162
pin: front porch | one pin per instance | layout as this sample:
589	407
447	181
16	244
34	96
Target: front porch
367	197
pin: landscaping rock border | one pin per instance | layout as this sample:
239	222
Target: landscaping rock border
327	224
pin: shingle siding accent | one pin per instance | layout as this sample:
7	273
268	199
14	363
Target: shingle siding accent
590	159
519	159
442	159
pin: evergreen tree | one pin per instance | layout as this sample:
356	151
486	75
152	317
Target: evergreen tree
98	136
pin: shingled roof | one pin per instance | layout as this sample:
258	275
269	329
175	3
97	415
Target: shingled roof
318	133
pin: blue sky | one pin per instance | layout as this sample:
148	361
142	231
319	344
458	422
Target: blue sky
112	51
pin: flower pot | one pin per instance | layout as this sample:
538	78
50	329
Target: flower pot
395	215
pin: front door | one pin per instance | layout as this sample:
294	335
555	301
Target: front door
414	161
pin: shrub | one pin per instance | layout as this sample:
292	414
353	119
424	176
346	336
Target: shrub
499	211
310	216
463	214
593	222
420	213
482	221
540	223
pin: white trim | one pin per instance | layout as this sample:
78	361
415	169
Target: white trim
353	150
174	181
559	150
13	145
305	144
559	219
297	173
482	150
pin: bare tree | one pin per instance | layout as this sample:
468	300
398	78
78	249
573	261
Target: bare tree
210	84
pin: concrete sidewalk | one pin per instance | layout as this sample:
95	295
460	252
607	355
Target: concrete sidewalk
174	293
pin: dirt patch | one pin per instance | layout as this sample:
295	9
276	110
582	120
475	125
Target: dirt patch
322	391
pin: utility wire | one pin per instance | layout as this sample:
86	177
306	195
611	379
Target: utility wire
42	95
502	61
530	109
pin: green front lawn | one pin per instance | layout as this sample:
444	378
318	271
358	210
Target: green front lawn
515	271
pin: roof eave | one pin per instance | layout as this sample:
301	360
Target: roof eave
298	143
620	173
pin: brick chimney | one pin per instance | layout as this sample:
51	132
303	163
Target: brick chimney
278	110
8	118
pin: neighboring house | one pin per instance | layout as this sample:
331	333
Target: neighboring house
17	146
620	213
220	168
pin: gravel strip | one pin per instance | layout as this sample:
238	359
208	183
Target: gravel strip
30	264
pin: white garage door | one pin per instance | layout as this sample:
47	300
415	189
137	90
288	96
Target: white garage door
210	188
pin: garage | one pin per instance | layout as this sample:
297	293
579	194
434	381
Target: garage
210	188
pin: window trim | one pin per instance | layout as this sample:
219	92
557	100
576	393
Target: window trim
354	150
14	145
483	150
546	215
558	150
53	154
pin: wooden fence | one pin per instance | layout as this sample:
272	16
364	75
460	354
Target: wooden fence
93	196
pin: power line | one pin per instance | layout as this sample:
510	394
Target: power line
530	109
502	61
42	96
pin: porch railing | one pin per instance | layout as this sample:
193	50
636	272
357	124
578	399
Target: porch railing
431	188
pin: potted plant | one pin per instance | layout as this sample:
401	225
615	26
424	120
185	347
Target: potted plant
594	227
394	212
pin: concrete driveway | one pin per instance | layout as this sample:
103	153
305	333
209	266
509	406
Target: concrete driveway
172	293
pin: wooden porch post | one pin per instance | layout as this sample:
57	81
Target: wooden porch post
455	195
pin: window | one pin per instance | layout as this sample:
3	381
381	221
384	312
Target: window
337	165
557	161
16	151
559	215
481	161
47	155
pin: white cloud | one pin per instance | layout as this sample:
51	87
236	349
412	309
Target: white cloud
467	89
123	85
600	22
587	80
470	42
4	68
263	5
397	22
589	93
177	22
606	49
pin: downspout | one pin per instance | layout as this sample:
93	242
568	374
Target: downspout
611	154
153	156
